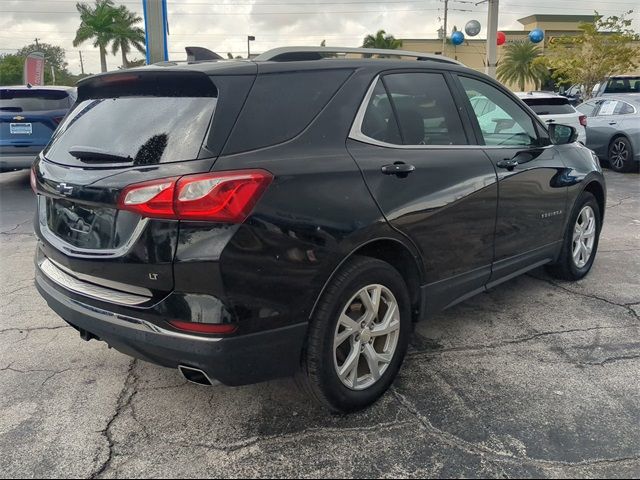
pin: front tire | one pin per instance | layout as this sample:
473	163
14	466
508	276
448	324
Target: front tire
580	244
358	336
621	155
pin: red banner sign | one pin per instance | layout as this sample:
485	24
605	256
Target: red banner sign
34	69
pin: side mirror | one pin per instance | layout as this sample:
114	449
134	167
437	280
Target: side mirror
562	134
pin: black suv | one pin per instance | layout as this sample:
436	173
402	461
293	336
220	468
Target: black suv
295	214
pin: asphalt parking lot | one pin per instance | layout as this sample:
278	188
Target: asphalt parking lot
536	378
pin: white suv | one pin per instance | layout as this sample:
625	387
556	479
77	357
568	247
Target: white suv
554	108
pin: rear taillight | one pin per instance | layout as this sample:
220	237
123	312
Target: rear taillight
210	328
227	197
583	120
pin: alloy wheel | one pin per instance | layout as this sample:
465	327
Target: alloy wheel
584	236
366	337
619	154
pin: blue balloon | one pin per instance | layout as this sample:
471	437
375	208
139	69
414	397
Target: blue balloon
536	36
457	38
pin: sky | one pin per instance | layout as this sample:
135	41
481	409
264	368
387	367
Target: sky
223	25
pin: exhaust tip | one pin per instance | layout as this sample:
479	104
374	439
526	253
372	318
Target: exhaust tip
197	376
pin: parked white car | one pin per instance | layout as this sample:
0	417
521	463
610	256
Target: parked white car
554	108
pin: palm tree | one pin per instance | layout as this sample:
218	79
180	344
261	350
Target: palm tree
96	23
126	34
381	40
521	64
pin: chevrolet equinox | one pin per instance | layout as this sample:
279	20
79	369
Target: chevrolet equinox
293	215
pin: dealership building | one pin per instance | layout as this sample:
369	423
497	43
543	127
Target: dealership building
473	51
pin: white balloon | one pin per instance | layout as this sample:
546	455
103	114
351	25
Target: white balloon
472	28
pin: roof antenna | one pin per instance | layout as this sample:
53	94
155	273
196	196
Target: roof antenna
196	54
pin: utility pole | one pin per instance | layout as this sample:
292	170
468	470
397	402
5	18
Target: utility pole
250	38
444	28
37	44
81	62
492	42
156	30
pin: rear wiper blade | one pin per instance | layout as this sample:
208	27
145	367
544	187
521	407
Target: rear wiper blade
91	154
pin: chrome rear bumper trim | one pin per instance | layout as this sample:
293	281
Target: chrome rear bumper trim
76	285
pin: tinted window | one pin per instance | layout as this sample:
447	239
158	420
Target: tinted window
149	130
549	106
623	85
425	109
379	121
614	107
505	123
33	100
281	105
588	109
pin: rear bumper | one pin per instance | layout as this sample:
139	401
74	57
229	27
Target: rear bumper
232	361
16	162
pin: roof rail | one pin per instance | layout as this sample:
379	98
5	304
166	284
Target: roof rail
289	54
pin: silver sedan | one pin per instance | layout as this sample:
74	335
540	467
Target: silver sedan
613	129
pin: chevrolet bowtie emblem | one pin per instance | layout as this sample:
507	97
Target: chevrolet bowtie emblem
18	118
64	189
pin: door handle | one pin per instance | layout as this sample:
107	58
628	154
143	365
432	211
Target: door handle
400	169
508	163
613	123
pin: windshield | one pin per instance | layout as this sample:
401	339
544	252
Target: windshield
149	130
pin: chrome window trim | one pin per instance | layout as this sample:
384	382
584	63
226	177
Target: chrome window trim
72	251
356	132
69	282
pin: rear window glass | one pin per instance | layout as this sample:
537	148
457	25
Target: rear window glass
135	130
623	85
281	105
549	106
33	100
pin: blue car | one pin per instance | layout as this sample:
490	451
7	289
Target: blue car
28	118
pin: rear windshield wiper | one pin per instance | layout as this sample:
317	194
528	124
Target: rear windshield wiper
91	154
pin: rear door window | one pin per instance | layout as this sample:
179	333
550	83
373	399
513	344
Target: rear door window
426	112
132	130
549	106
33	100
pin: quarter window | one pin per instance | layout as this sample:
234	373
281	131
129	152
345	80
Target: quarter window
504	122
425	111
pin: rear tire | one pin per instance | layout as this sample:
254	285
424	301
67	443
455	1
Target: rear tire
621	155
580	244
349	361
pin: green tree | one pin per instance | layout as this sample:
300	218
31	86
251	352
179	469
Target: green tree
126	34
520	64
603	48
97	23
11	68
381	40
54	56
